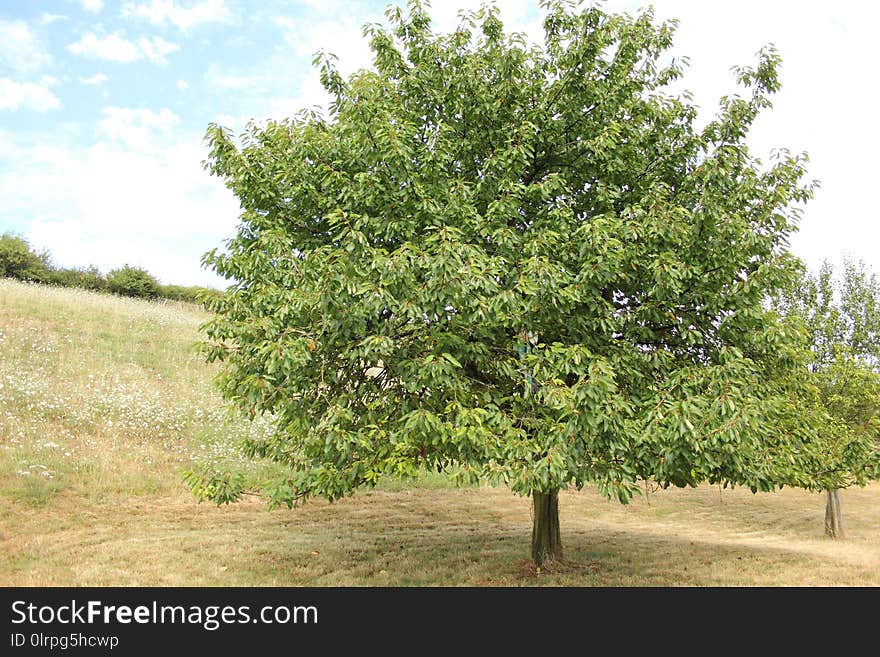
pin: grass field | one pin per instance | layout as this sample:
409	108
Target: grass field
104	403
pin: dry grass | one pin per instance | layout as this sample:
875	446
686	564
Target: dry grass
103	404
430	537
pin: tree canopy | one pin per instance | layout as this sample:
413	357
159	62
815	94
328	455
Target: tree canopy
524	262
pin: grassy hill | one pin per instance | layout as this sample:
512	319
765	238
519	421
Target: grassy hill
104	403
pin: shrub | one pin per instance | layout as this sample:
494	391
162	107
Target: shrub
180	293
17	260
89	278
132	282
191	294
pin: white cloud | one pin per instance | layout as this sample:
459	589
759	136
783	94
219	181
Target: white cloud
48	19
136	129
156	48
160	12
341	36
96	79
303	37
311	94
285	22
20	50
116	48
225	80
113	48
183	85
93	6
28	95
138	194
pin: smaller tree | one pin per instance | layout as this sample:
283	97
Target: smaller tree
18	260
841	321
132	282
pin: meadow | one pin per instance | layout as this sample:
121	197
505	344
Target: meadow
104	403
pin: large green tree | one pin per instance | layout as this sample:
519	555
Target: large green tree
840	317
522	262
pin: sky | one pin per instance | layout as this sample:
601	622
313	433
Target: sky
104	107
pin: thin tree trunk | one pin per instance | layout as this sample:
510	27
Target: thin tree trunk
833	523
546	541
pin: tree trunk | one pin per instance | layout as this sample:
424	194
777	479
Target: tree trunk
546	542
833	526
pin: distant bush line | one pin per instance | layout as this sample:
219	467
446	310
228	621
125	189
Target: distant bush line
19	260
